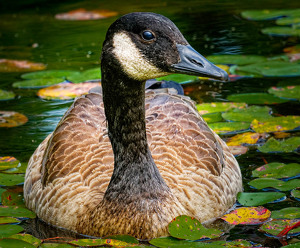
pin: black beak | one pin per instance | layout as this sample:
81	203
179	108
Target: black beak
193	63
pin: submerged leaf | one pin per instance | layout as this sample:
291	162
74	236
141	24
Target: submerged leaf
236	59
82	14
289	92
228	127
6	95
262	183
256	98
273	145
277	170
274	227
286	213
12	119
213	107
248	114
8	163
259	198
10	65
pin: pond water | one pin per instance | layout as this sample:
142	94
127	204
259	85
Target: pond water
29	31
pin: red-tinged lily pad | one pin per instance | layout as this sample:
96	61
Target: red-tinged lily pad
179	78
62	74
88	75
262	183
212	117
248	138
277	170
16	212
259	198
27	238
186	227
11	179
65	91
276	124
296	193
12	119
275	227
8	163
6	95
8	230
238	150
84	15
213	107
273	145
268	14
292	49
10	198
247	216
7	220
15	243
229	127
281	31
286	213
248	114
37	83
236	59
256	98
100	242
289	92
9	65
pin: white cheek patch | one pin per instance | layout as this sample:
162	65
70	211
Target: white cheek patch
133	63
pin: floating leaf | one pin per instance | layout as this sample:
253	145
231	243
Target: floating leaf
185	227
268	14
10	65
16	212
37	83
11	179
238	150
97	242
236	59
282	31
273	145
21	168
247	216
10	198
256	98
1	191
62	74
27	238
6	95
12	119
228	127
55	245
213	107
234	243
82	14
66	90
248	114
274	227
289	92
262	183
277	170
179	78
6	220
296	193
259	198
8	163
212	117
15	243
170	242
125	238
276	124
243	138
8	230
286	213
88	75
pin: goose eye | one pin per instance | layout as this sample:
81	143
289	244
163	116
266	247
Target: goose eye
147	35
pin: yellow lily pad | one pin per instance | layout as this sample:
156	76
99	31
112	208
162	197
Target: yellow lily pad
12	119
8	163
244	138
229	127
10	65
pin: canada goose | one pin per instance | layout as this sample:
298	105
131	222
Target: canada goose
130	163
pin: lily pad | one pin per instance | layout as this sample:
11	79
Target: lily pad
55	245
16	212
212	117
277	170
37	83
276	124
289	92
256	98
274	227
268	14
10	65
1	191
21	168
229	127
296	193
236	59
281	31
248	114
10	198
273	145
247	216
98	242
249	138
8	230
8	163
27	238
262	183
259	198
288	20
179	78
15	243
213	107
170	242
125	238
6	95
185	227
286	213
11	179
7	220
12	119
62	74
65	91
88	75
82	14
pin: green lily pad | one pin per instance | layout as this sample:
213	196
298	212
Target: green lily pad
256	98
88	75
12	119
268	14
15	243
55	245
8	163
98	242
289	92
185	227
179	78
273	145
248	114
282	31
262	183
1	191
10	198
205	108
236	59
233	244
274	227
27	238
259	198
212	117
8	230
125	238
276	124
6	95
296	193
16	212
277	170
21	168
37	83
268	69
7	220
62	74
228	127
11	179
286	213
288	20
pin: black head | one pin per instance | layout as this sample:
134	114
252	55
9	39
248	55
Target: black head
148	45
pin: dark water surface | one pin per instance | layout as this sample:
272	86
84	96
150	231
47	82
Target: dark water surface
211	27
